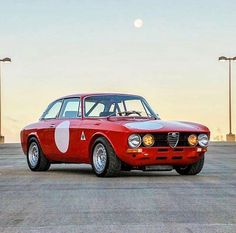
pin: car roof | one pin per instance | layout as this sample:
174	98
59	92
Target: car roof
82	95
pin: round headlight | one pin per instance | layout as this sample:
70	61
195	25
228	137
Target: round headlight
134	140
203	140
148	140
192	140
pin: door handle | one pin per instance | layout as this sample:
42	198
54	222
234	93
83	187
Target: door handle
52	126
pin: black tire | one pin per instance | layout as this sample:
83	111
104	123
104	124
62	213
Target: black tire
125	167
42	164
192	169
112	165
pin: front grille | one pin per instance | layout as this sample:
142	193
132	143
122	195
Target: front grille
173	139
161	139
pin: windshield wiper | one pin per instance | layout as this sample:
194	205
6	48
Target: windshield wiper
127	113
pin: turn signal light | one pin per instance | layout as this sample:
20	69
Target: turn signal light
138	150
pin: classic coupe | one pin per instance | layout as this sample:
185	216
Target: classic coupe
113	132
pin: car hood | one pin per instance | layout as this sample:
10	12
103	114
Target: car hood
161	125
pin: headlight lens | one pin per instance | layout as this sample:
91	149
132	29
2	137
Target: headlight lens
192	140
134	140
203	140
148	140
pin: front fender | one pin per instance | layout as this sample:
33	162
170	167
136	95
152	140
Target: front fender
118	141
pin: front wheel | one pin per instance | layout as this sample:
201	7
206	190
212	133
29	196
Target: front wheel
192	169
35	158
105	163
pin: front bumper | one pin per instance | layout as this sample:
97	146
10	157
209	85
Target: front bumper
163	156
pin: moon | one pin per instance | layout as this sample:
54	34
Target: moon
138	23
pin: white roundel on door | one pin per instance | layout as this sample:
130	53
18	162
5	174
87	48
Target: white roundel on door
62	136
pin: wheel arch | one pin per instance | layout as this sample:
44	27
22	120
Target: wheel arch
94	138
30	136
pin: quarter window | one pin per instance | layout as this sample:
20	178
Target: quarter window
53	110
71	108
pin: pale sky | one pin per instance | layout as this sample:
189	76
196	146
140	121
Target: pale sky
64	47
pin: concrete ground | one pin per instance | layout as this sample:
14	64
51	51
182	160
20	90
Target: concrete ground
70	198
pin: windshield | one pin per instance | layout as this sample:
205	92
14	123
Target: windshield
117	105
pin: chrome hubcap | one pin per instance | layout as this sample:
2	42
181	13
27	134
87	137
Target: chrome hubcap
33	154
99	158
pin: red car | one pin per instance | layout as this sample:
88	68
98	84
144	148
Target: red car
113	132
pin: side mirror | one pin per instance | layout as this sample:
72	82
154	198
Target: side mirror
158	116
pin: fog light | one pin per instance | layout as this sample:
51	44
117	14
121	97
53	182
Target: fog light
148	140
192	140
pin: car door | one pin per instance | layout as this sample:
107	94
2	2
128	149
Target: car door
47	131
68	131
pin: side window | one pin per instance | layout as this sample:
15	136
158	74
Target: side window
53	110
93	109
98	110
71	108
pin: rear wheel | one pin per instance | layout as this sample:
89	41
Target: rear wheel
35	158
105	163
192	169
